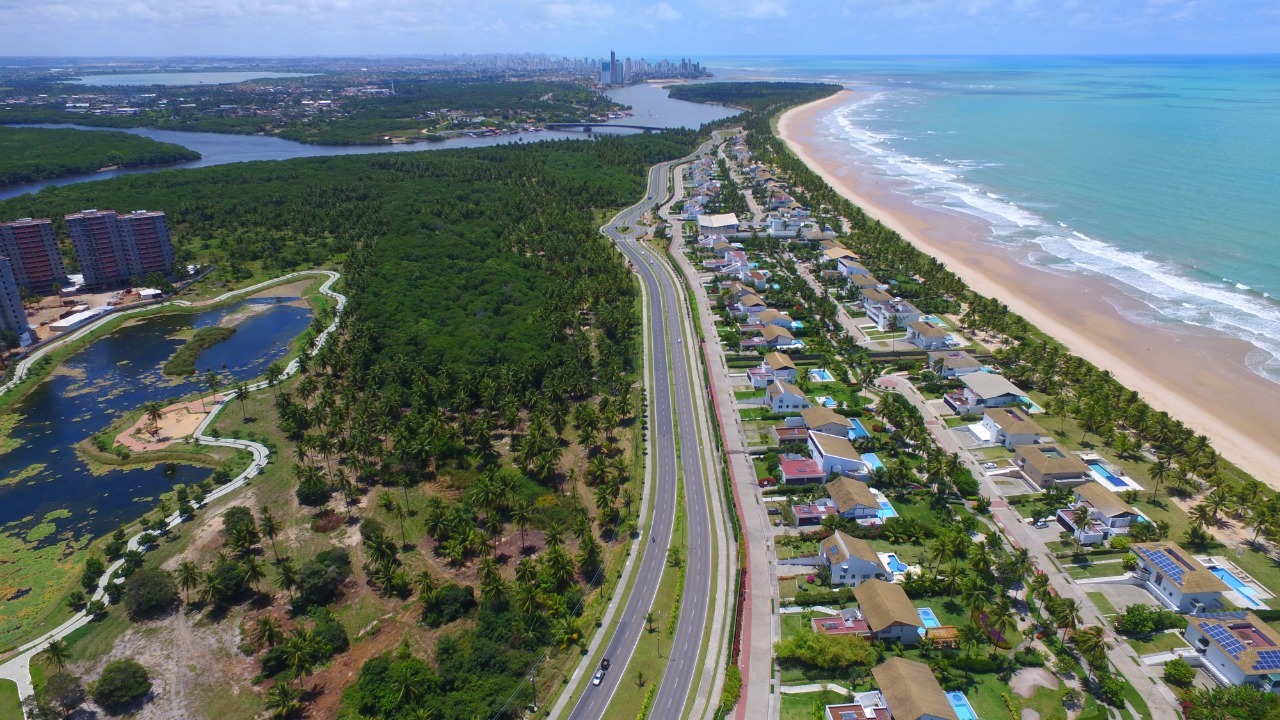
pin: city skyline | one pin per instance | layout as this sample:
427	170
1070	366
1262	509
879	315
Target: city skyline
639	27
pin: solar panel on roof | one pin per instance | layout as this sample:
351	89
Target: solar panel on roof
1165	564
1268	660
1229	615
1224	638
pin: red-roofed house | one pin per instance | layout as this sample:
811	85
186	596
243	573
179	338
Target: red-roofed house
800	471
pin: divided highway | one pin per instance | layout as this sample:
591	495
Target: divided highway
672	381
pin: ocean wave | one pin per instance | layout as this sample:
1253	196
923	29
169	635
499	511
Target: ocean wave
1169	290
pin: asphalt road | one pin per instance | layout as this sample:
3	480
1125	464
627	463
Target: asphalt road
666	303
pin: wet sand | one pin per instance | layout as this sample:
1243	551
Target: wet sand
1198	376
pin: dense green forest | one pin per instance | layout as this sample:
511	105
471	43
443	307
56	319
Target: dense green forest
247	109
32	154
761	97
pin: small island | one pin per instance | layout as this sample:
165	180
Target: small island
183	362
34	154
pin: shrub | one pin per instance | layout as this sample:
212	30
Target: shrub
1121	542
93	569
451	602
1178	672
122	683
320	578
1111	690
149	592
64	691
1141	619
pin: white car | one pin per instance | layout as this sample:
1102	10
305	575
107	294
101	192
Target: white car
679	340
598	677
989	466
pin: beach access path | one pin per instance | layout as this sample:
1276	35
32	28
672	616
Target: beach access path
18	668
1145	679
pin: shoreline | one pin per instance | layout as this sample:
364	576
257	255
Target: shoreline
1199	376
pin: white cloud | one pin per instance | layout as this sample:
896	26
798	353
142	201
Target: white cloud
663	11
749	9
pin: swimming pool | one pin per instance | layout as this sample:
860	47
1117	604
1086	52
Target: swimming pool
886	510
928	618
1032	407
821	375
896	565
961	705
797	325
825	401
872	460
1236	584
1106	477
857	431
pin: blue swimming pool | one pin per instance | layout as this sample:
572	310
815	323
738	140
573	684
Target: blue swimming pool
857	431
1102	474
821	375
961	705
928	618
886	510
1236	584
896	565
797	325
825	401
872	460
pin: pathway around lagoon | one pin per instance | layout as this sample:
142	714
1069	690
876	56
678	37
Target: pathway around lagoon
18	668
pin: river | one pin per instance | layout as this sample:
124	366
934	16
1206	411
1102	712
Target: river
115	374
650	104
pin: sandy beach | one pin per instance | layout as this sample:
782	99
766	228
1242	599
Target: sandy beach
1198	376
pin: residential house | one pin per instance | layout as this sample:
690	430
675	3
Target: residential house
825	420
849	267
769	316
722	223
1010	426
853	498
838	253
866	282
749	305
1050	465
785	433
848	622
783	397
812	514
1176	579
983	390
777	337
885	315
911	691
775	366
1238	648
1106	514
927	336
874	296
759	279
954	363
853	561
798	470
888	611
835	454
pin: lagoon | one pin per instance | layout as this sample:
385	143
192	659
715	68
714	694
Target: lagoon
116	374
181	78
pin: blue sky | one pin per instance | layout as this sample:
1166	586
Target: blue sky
649	28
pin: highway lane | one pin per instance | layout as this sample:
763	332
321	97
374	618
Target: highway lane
665	307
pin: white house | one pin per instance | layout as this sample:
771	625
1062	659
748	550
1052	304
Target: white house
784	397
797	470
723	223
1177	580
911	691
1010	426
928	336
778	337
1107	515
750	305
954	363
775	366
849	267
823	420
983	390
835	454
895	312
769	316
1238	648
852	560
889	612
853	498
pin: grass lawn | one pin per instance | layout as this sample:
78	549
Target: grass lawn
787	587
1081	568
786	552
10	708
800	706
1103	604
743	395
793	623
954	422
1163	642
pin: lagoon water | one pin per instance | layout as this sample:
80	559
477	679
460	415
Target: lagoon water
115	374
650	106
181	78
1160	175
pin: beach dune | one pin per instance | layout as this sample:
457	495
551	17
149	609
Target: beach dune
1197	375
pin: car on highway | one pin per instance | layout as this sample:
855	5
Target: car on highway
679	340
598	677
604	664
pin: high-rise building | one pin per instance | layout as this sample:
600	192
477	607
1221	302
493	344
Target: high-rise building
606	73
32	249
12	315
114	249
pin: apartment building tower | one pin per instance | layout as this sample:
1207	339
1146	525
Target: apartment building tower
32	249
114	248
12	315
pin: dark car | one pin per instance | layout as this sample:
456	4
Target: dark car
604	664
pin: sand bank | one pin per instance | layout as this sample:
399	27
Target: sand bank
1198	376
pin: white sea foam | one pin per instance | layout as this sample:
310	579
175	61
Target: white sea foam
1169	290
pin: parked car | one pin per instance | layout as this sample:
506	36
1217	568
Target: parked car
1041	524
989	465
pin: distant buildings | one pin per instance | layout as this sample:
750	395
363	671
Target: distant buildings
32	249
114	248
615	72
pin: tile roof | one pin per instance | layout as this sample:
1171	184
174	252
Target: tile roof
1014	421
1250	643
911	691
990	385
1051	459
773	332
840	546
777	360
1180	567
876	295
818	415
884	604
779	387
848	493
924	329
1103	500
954	360
832	445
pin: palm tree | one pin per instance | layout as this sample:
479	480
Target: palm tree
287	576
300	650
154	411
1065	613
1093	646
970	636
407	685
252	572
213	382
284	701
522	515
275	371
266	632
1159	471
242	395
269	529
188	577
57	653
1262	518
1019	565
426	585
1202	515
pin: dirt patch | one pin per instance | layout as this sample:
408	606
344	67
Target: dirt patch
294	289
1025	681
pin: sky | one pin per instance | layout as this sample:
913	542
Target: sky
639	28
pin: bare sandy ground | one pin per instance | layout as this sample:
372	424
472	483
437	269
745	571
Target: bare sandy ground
1198	377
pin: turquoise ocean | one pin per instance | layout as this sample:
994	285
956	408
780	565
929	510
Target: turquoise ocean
1160	175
